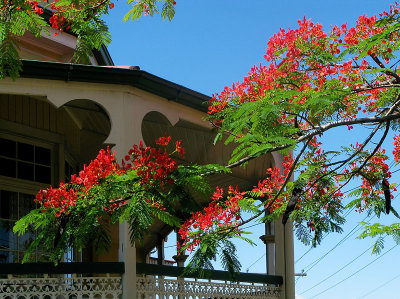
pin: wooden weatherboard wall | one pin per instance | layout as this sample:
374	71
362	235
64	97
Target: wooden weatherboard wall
39	114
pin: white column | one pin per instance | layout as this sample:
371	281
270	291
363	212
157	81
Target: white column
269	241
127	254
284	259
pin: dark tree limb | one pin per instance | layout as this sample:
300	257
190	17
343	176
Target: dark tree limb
386	192
291	204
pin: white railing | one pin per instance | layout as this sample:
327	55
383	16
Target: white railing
151	287
61	287
154	261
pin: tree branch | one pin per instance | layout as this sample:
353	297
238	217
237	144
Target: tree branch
320	129
389	73
370	156
271	202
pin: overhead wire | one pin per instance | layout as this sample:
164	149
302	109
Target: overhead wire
344	239
354	273
395	171
252	225
381	286
352	232
337	271
340	242
347	214
248	268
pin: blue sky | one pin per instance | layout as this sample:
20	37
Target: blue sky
211	44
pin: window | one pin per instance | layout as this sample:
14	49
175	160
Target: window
26	165
25	161
70	168
14	205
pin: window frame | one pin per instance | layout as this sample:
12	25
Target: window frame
60	153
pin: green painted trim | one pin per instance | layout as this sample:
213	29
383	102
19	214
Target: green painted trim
110	75
149	269
62	268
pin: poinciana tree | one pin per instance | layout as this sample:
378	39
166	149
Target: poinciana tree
81	18
312	82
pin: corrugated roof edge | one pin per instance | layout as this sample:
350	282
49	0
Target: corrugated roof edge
100	74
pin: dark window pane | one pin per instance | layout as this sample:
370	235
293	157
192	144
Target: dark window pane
25	240
43	174
69	170
7	167
8	257
4	205
25	171
25	152
8	205
8	240
26	204
7	148
42	156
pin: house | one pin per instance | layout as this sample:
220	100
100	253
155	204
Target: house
55	118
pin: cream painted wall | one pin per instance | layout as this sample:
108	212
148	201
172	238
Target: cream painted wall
125	105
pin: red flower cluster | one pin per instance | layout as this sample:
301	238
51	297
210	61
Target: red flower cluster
273	181
63	13
59	199
290	57
396	151
145	8
164	141
66	195
372	175
101	167
154	166
179	149
38	10
57	21
218	215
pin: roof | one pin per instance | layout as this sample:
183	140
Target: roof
101	55
114	75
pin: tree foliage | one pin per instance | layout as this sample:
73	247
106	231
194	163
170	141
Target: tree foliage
313	81
81	18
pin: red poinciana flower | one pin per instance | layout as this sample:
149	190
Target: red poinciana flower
66	195
219	214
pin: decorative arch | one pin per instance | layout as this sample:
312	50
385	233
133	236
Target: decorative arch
91	127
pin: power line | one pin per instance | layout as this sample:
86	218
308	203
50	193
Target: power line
347	214
348	264
354	273
295	262
395	171
248	268
317	261
253	225
340	242
381	286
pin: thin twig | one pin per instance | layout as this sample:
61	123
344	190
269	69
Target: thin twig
389	73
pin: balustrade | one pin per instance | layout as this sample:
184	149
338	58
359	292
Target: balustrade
156	281
66	281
